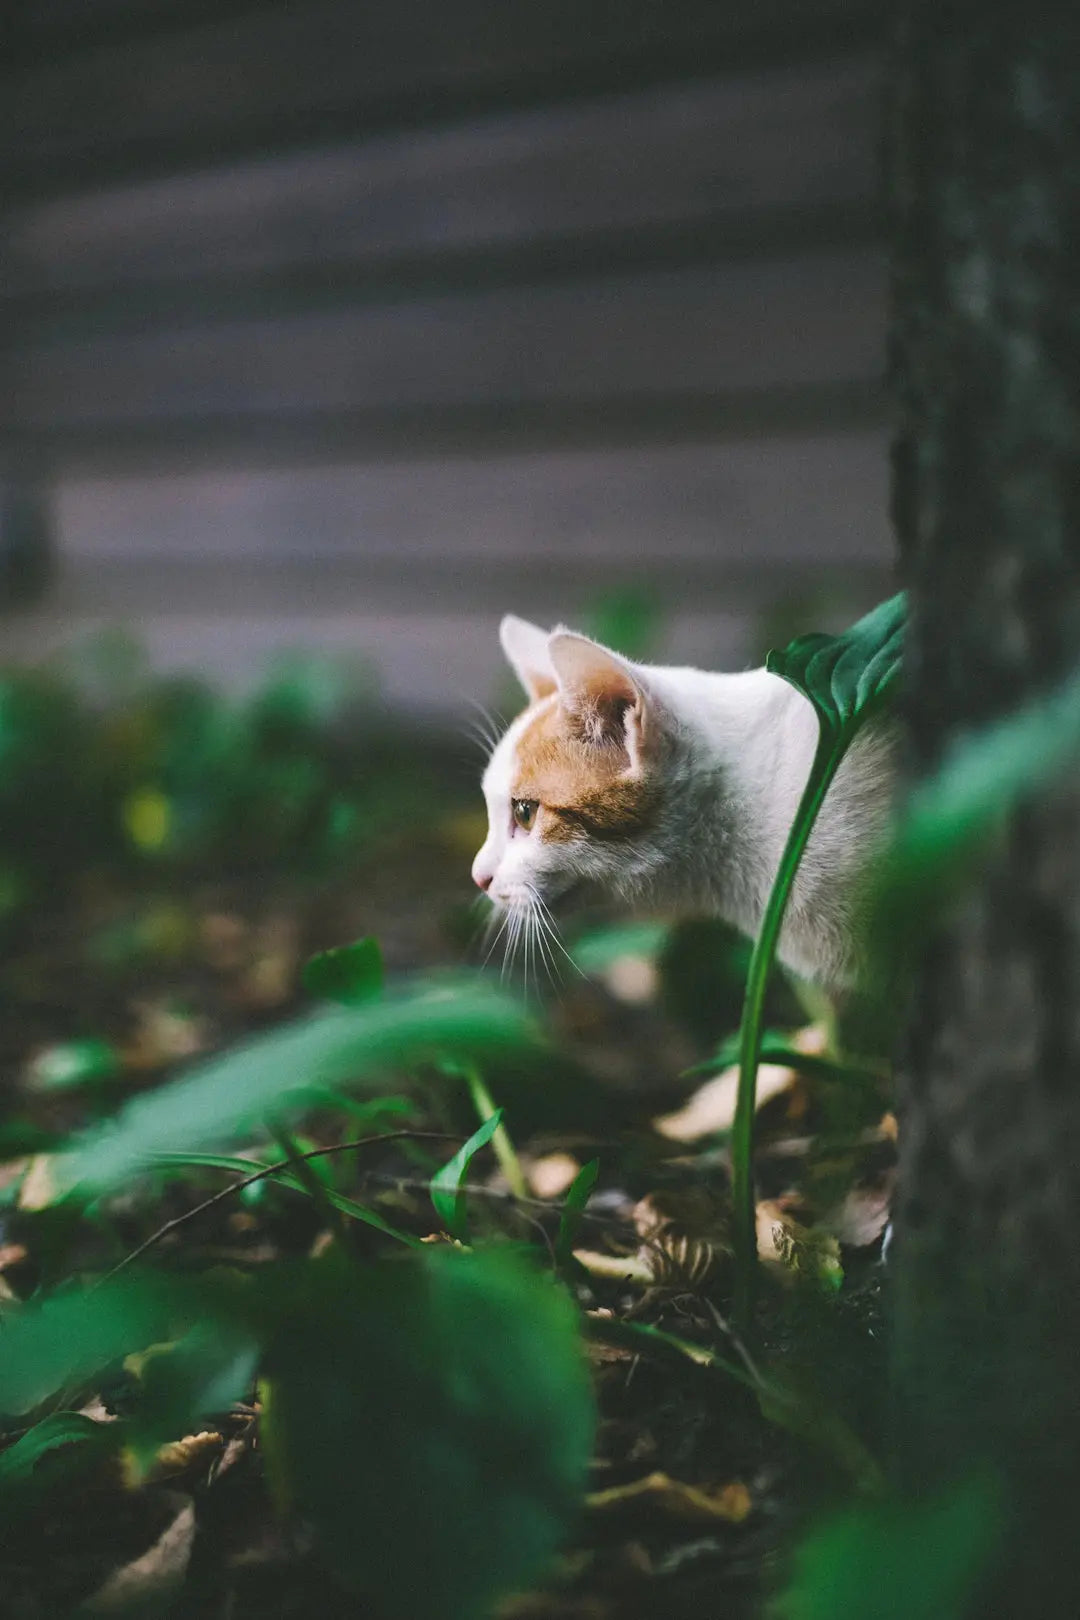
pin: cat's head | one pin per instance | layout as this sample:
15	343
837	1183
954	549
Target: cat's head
574	786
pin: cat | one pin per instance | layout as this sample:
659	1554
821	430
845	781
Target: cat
674	788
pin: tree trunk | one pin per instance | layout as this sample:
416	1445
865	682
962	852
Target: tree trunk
985	195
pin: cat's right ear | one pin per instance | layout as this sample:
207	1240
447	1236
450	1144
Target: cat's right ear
526	648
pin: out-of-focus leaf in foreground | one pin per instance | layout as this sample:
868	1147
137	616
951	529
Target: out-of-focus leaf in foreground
57	1343
897	1561
433	1418
950	816
61	1445
348	974
284	1069
199	1375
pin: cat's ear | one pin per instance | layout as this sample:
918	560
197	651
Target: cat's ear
600	692
526	649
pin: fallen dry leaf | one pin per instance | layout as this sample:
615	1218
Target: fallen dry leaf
793	1251
177	1455
712	1107
550	1176
731	1503
40	1185
163	1034
632	979
861	1216
618	1267
686	1235
147	1585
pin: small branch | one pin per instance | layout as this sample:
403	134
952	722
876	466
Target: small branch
266	1170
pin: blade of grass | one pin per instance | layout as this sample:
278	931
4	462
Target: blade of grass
447	1187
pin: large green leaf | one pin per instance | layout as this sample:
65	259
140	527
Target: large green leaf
433	1418
282	1070
846	677
898	1561
950	816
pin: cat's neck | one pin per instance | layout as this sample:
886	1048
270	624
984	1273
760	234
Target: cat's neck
744	747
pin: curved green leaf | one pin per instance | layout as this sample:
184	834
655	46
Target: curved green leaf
846	677
573	1207
447	1187
775	1048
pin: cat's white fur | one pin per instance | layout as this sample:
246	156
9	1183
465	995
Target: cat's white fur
725	758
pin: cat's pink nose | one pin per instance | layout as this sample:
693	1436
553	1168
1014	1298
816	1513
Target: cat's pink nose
483	880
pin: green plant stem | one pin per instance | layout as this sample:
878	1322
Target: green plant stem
831	747
505	1152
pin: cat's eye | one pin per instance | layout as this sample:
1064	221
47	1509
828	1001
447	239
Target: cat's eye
524	813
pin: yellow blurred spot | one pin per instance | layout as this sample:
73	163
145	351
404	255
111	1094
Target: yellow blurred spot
146	818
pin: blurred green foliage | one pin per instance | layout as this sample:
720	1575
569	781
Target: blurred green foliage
102	762
900	1560
426	1407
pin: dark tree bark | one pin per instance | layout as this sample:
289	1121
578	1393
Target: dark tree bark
985	192
985	187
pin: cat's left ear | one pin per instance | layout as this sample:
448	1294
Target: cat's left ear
601	692
526	649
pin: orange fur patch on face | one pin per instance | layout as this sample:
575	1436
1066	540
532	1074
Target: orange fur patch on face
583	788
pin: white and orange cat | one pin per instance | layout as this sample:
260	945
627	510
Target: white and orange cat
674	788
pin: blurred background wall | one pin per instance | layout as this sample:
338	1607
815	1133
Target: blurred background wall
357	325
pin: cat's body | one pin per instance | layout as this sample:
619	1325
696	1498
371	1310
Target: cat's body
675	788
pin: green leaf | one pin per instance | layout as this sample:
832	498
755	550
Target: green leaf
846	677
280	1071
57	1343
350	974
283	1178
952	814
74	1063
596	951
433	1419
194	1378
898	1561
447	1187
573	1206
776	1049
21	1464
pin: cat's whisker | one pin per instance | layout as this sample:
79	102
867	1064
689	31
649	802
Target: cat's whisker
493	932
552	929
513	939
546	956
484	729
541	923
